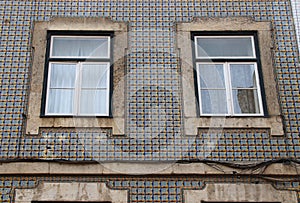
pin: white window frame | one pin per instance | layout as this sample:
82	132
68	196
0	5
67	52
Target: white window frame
230	57
78	80
226	62
228	90
77	89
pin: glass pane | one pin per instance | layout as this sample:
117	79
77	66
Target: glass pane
213	102
243	76
93	102
211	76
60	101
80	47
62	75
94	75
224	47
245	101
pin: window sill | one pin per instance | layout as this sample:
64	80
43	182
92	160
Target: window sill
77	116
34	124
233	116
274	123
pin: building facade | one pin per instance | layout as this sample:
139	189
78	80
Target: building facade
149	101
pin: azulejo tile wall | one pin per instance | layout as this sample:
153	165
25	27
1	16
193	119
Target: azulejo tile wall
153	98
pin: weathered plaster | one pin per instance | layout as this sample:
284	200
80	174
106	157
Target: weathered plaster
184	44
39	41
240	193
70	192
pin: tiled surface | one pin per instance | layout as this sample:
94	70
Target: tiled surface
141	189
154	105
153	95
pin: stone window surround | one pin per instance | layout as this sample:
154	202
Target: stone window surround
74	191
39	42
192	121
242	192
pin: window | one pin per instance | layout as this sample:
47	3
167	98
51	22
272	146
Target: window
78	74
67	42
227	74
256	40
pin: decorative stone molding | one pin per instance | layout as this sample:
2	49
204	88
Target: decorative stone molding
240	193
74	191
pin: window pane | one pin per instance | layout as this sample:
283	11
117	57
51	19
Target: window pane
62	75
224	47
80	47
93	102
211	76
94	75
245	101
213	102
243	76
60	101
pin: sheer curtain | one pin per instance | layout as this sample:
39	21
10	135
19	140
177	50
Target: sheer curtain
212	89
80	47
214	102
225	47
61	90
94	88
244	88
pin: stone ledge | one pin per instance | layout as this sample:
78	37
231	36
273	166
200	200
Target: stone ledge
50	168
